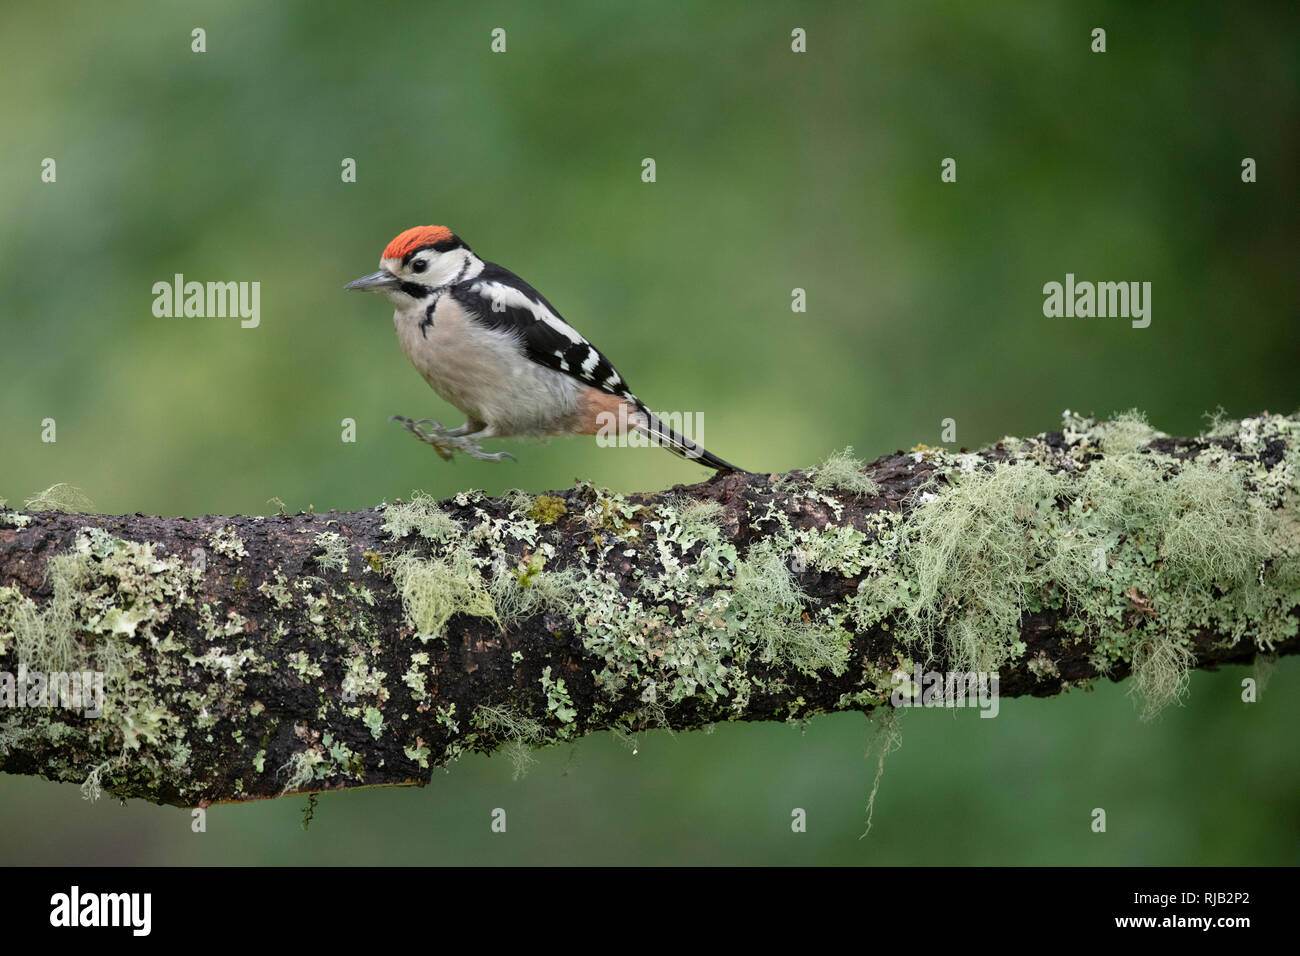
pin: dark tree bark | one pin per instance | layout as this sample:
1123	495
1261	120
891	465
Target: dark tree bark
249	657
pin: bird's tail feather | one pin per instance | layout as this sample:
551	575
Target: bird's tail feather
681	446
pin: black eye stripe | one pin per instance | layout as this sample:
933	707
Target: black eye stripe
446	245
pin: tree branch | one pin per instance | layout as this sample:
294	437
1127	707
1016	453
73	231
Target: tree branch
250	657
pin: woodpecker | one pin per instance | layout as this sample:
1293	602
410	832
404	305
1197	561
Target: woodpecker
490	344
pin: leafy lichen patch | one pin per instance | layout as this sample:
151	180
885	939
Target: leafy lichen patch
112	608
227	543
176	665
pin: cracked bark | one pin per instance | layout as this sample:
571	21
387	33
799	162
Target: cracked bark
282	708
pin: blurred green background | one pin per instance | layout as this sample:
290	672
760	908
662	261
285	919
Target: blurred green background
775	170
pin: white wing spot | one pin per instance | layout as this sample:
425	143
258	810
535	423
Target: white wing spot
511	297
557	323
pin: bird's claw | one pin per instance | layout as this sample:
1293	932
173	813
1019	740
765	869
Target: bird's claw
445	443
474	451
435	436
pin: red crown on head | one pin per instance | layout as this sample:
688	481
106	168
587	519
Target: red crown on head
414	238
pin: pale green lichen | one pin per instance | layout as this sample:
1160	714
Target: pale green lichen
1160	672
446	716
361	680
473	572
973	559
59	497
1138	550
695	521
887	738
304	666
92	786
414	678
1219	424
111	607
1216	533
606	510
226	542
334	552
422	516
374	722
520	501
1125	433
323	758
519	732
1042	666
558	702
841	471
276	590
342	757
433	589
14	519
769	605
419	752
300	770
707	622
530	590
1134	552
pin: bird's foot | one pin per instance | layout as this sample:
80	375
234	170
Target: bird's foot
445	441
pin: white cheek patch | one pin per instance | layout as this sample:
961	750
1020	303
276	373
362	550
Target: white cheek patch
444	268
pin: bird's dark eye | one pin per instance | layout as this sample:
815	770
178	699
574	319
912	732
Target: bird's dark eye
419	265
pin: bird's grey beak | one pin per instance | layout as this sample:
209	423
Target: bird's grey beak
380	281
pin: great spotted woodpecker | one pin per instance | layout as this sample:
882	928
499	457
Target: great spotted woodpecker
490	344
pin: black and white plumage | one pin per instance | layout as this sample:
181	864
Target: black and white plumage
489	343
499	299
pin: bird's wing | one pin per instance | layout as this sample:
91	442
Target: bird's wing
499	299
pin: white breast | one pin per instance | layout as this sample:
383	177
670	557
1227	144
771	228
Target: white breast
485	372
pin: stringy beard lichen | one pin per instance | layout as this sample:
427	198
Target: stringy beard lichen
1140	545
